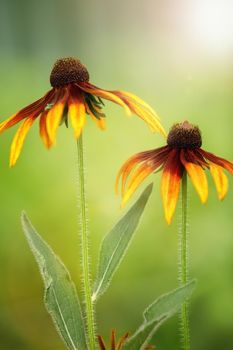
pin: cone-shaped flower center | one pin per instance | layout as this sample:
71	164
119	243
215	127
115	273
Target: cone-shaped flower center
68	70
184	135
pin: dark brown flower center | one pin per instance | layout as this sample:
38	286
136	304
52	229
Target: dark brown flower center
68	70
184	135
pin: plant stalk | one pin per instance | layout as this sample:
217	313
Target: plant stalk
85	259
183	263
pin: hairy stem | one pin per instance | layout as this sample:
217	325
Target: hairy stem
85	249
183	263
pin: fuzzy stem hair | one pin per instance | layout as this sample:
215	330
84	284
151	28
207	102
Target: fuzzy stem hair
183	274
85	258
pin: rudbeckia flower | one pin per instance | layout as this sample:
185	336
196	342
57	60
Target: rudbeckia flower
119	345
182	153
72	97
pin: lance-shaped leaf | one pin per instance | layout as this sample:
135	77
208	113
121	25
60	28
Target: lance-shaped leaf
60	297
157	313
116	242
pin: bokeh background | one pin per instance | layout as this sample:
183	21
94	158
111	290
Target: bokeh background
177	55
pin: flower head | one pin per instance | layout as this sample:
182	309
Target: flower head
183	152
72	97
119	345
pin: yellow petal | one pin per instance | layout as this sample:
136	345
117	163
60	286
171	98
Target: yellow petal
54	117
19	139
43	130
144	111
34	109
220	180
101	123
198	177
140	101
108	95
131	103
125	171
140	174
77	115
170	186
14	119
149	118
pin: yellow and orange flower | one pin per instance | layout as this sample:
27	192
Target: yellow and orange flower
72	96
119	345
183	152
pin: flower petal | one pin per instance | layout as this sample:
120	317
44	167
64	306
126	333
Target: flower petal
139	101
140	109
101	343
130	102
125	171
113	340
170	185
108	95
101	122
54	115
220	179
139	175
77	114
155	156
43	130
197	175
122	340
19	139
226	164
34	109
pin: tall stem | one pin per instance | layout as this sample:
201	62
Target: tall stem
85	248
183	263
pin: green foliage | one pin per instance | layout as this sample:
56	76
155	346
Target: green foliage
157	313
116	243
60	298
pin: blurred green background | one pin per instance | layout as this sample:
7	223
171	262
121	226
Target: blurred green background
177	57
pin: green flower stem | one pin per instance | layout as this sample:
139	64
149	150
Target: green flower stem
85	249
183	263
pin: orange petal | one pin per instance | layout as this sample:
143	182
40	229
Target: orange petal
121	342
113	339
156	156
139	101
108	95
224	163
141	109
14	119
125	171
19	139
54	117
170	185
220	179
198	177
101	123
101	343
34	109
130	102
139	175
77	114
43	130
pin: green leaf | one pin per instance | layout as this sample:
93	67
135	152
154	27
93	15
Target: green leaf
169	303
116	242
157	313
60	297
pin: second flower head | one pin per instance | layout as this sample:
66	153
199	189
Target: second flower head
183	153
